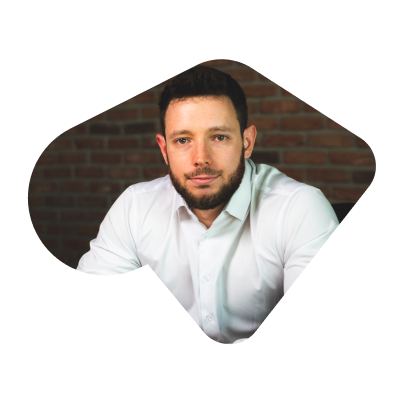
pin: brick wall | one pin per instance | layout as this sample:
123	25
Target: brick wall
82	172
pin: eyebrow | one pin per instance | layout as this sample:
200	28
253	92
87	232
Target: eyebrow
220	128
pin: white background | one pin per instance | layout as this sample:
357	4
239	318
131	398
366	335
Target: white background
67	335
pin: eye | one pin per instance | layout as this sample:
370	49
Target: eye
181	141
221	138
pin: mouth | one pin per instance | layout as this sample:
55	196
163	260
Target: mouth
203	180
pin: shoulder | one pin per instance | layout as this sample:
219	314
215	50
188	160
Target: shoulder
151	187
269	180
160	189
273	190
144	195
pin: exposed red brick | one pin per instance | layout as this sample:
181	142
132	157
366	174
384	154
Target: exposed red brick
150	142
294	173
140	127
263	123
50	243
144	97
69	258
262	77
89	143
72	158
123	143
92	201
260	90
141	158
305	157
42	215
242	74
302	123
101	187
154	173
43	187
127	172
61	229
105	158
89	230
62	172
39	228
89	172
284	92
76	244
122	113
328	175
280	106
217	63
98	117
47	159
37	173
35	201
363	176
104	129
352	158
326	190
252	107
73	215
334	125
59	201
265	157
308	108
60	144
282	139
361	143
74	187
331	140
150	112
97	216
348	193
76	130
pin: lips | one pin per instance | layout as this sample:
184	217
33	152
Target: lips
203	180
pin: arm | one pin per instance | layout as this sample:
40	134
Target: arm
114	250
308	222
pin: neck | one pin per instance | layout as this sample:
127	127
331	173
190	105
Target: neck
207	217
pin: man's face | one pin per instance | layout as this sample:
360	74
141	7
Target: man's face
204	150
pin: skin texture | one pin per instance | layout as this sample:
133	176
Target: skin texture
203	140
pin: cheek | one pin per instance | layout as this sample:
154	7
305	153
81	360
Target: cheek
179	160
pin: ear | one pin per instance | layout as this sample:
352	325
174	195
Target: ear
249	139
163	147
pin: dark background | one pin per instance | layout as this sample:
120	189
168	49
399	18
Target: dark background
82	172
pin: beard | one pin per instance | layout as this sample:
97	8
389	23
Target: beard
210	201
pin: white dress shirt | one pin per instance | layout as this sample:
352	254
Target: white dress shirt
228	277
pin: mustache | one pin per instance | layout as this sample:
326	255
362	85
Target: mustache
203	171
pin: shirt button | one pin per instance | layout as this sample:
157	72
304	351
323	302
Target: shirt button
207	277
206	235
209	318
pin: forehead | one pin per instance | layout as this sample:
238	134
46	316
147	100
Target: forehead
200	113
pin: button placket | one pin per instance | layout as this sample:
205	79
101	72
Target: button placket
207	295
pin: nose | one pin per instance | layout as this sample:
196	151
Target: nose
201	154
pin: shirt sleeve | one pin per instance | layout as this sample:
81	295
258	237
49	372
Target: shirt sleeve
308	223
114	250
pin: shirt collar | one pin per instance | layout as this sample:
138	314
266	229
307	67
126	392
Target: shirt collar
238	204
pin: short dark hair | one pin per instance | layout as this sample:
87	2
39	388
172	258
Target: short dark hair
201	81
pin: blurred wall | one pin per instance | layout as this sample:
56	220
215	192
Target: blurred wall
82	172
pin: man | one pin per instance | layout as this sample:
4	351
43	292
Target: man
226	236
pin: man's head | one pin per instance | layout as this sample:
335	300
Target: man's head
204	116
